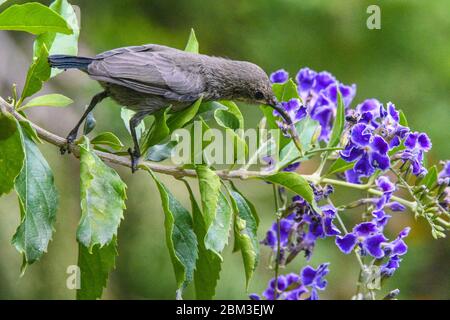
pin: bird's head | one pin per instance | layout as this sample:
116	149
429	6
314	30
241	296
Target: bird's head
255	88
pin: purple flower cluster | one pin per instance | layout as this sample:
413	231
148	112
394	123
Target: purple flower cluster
375	135
300	230
297	286
318	92
368	236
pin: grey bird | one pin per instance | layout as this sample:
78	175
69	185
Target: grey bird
151	77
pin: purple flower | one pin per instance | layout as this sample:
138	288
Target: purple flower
305	79
279	76
444	175
394	250
318	91
294	286
385	185
294	109
416	145
367	236
314	278
370	151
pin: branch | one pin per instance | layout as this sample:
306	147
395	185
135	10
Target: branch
178	172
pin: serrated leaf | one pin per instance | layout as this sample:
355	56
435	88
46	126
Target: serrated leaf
161	152
108	139
208	266
38	73
126	115
294	182
209	184
34	18
192	44
38	201
339	122
58	43
181	118
48	100
219	231
95	266
103	196
245	227
180	237
340	165
12	152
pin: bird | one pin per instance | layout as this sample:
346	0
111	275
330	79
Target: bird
152	77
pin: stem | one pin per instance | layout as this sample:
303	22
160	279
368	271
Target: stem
277	258
178	172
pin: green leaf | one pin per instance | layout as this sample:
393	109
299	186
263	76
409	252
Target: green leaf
403	121
126	115
217	236
294	182
34	18
306	129
38	73
208	266
48	100
103	196
340	165
245	227
234	109
108	139
192	44
430	178
28	128
12	152
285	91
38	200
226	119
180	237
209	184
158	132
181	118
339	122
161	152
59	43
207	109
230	122
95	266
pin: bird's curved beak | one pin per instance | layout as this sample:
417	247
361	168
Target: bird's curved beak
279	108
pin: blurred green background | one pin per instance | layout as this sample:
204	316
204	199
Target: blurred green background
406	62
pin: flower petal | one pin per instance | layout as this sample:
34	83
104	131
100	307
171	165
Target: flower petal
346	243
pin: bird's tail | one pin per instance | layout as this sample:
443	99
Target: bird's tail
61	61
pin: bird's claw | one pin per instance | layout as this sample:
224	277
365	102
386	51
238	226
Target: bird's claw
134	155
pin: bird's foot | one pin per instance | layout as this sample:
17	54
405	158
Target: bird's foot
135	155
67	147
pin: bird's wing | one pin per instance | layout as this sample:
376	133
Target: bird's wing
155	70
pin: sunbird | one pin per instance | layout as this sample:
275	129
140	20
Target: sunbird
152	77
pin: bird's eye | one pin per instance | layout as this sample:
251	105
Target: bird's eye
259	95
